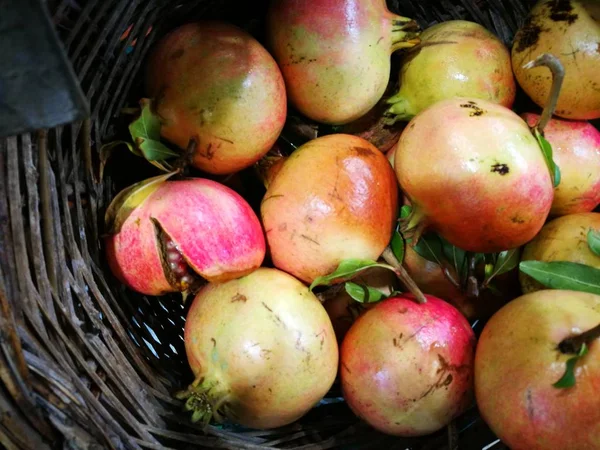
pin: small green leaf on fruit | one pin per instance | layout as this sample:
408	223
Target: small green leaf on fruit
405	211
430	248
145	132
568	378
489	270
593	238
397	246
345	271
505	262
563	275
457	257
363	293
128	199
547	152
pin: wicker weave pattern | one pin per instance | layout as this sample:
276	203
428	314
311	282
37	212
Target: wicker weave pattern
82	361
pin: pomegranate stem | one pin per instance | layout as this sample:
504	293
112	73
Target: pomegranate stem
403	275
558	75
573	344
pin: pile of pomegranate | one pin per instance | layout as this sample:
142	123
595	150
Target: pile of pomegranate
398	208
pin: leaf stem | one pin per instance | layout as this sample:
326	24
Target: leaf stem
472	288
573	344
558	75
403	275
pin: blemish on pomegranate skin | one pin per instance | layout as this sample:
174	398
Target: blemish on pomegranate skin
477	111
529	35
517	219
346	367
238	298
561	11
362	151
177	54
501	169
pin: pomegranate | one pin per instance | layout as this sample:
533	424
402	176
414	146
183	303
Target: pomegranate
576	149
483	184
215	84
164	234
569	30
406	368
343	309
262	350
561	239
333	198
521	354
335	55
456	58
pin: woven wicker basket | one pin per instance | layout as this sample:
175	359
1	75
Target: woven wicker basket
84	363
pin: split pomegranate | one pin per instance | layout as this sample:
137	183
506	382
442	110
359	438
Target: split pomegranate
406	368
475	174
335	55
456	58
576	149
213	83
262	350
333	198
164	234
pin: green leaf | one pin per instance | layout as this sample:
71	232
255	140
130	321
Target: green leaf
455	256
593	238
363	293
405	211
547	152
563	275
346	270
397	246
145	132
430	247
505	262
568	378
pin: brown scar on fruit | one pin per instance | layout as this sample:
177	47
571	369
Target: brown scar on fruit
274	316
177	54
502	169
238	298
214	342
517	219
477	111
529	35
308	238
346	367
362	151
530	410
561	11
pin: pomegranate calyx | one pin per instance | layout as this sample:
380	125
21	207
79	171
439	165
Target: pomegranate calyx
405	33
205	401
400	110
